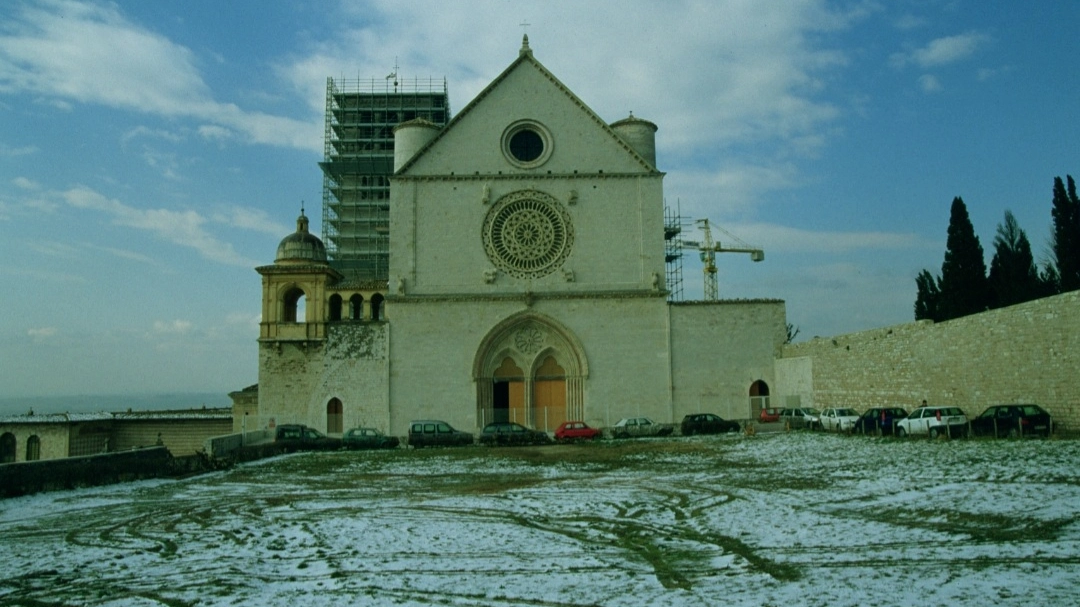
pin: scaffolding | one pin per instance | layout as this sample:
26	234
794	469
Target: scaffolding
358	160
673	251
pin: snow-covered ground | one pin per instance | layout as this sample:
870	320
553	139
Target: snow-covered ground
781	519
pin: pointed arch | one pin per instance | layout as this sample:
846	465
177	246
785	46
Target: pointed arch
553	364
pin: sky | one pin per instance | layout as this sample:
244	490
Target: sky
152	154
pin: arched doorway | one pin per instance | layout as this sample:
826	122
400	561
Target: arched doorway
549	395
7	448
759	398
533	360
334	417
508	393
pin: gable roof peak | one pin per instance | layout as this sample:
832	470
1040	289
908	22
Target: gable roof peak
525	50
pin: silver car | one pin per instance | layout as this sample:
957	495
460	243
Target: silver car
640	426
801	417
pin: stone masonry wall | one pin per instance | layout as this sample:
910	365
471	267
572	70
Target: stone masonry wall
1028	353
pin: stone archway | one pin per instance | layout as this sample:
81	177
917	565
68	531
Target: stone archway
759	398
552	367
334	416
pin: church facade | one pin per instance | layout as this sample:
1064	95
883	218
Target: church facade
526	283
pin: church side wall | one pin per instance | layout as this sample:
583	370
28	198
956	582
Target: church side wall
718	350
1028	353
298	379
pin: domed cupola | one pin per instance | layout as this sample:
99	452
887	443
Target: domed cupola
301	246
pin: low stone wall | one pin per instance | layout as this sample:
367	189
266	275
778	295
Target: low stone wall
68	473
1028	353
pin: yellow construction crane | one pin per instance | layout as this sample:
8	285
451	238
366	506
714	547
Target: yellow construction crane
708	249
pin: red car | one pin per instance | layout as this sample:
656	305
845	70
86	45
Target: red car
575	431
771	414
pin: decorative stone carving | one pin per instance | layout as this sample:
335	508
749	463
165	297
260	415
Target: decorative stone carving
529	340
527	234
489	276
568	274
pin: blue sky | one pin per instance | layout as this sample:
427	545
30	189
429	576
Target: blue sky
153	153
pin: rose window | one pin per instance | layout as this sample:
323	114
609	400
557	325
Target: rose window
527	234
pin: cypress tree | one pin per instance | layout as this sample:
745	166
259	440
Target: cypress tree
928	300
1065	241
1013	276
964	286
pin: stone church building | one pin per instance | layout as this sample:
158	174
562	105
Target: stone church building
526	282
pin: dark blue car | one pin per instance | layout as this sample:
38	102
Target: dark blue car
879	420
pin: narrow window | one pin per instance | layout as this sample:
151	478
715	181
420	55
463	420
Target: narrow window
33	448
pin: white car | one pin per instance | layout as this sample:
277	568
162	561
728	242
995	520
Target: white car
838	419
934	421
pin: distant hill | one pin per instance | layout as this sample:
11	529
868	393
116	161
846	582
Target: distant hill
96	403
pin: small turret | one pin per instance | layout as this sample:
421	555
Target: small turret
410	137
640	134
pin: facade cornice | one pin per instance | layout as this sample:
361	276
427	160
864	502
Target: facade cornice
299	269
525	176
528	297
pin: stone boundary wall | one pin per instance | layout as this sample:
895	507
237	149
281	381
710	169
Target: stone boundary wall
1027	353
25	478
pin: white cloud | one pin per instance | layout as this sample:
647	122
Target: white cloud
70	51
172	327
942	51
142	131
718	73
929	83
772	237
184	228
214	132
949	49
10	152
255	220
25	184
42	333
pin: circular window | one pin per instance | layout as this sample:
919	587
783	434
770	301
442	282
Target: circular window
527	144
527	234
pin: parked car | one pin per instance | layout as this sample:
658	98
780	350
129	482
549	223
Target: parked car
769	415
368	438
934	421
575	430
510	433
631	427
801	417
298	437
879	420
838	419
1012	421
707	423
436	433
